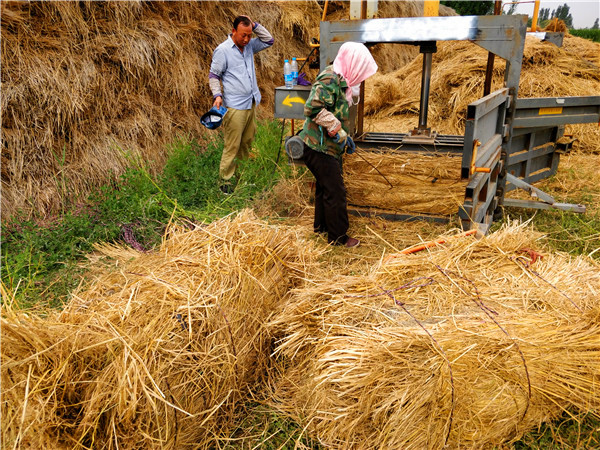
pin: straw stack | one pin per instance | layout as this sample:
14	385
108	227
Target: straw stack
467	345
157	352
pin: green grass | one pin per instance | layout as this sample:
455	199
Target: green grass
568	432
263	427
568	232
575	234
587	33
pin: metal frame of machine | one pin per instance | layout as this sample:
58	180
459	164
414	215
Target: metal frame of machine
508	142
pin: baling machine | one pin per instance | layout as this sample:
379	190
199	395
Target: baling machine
509	143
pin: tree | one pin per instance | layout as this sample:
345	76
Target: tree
470	8
595	26
562	13
511	9
544	14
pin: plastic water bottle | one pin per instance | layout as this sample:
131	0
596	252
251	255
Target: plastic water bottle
294	65
287	74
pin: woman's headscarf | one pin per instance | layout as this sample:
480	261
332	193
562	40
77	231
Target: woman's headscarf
355	63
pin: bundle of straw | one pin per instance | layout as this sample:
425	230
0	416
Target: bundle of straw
404	182
467	345
159	351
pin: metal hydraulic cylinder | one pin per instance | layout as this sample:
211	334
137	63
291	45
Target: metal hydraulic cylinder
425	83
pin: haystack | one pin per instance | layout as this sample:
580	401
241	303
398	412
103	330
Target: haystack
85	85
458	74
468	345
157	352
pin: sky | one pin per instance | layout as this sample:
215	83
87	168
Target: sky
584	12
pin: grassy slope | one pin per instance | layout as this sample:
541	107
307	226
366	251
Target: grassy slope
44	259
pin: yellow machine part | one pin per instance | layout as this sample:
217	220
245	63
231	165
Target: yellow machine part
431	8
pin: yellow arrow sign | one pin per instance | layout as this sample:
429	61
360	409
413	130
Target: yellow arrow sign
288	101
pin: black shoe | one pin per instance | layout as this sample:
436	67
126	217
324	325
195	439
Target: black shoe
226	189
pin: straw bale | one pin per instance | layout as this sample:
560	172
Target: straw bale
458	74
557	25
157	352
403	182
463	345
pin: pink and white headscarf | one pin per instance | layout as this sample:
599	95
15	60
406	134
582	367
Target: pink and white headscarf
355	63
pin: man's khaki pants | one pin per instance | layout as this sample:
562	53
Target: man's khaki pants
239	133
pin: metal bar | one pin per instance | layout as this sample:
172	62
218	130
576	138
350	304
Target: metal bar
534	20
537	176
532	190
486	104
489	152
524	155
553	37
498	34
361	103
539	102
372	212
551	121
487	85
517	203
386	142
483	129
553	111
425	82
360	120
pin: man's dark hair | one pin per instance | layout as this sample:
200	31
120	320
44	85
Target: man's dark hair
241	19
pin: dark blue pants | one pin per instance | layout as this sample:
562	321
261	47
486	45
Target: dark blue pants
331	210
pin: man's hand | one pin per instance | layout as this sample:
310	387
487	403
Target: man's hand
218	101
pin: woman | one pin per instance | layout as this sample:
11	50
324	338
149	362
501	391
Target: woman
325	136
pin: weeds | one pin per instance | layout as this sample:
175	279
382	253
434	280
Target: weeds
566	432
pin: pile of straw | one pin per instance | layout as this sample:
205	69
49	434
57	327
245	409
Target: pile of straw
458	74
469	345
157	352
402	182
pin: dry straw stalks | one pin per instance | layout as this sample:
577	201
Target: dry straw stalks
467	345
157	353
403	182
83	83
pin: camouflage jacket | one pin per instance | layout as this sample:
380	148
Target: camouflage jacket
327	92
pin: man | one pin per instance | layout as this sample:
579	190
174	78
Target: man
233	65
